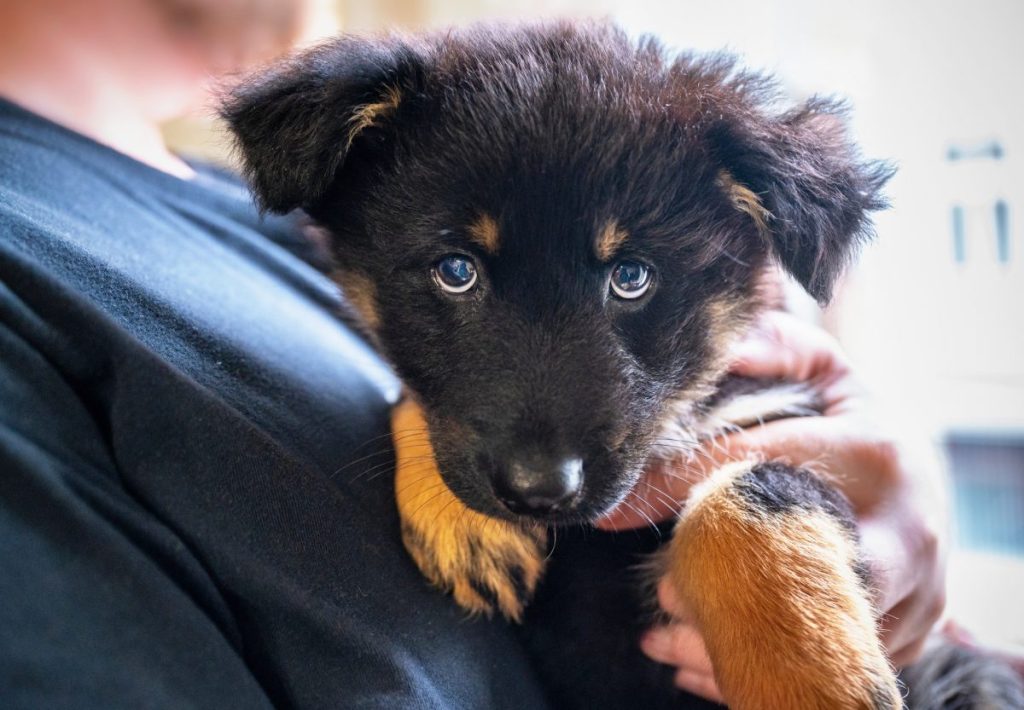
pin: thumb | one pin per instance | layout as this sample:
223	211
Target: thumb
782	347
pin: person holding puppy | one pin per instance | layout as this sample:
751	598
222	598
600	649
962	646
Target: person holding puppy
192	506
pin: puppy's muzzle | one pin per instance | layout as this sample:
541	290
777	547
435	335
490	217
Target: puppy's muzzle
537	485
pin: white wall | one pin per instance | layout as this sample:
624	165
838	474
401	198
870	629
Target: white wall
943	339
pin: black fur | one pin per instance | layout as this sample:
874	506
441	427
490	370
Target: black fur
553	130
952	678
773	488
583	627
290	123
810	179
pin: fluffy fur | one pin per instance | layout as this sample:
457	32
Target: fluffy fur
548	156
551	133
767	559
486	564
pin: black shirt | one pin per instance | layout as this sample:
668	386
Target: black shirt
196	503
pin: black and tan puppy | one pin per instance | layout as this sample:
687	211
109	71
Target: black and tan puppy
553	234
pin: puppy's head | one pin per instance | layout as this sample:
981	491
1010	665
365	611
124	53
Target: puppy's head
552	232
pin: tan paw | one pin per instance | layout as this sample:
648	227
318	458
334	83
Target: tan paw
487	564
774	588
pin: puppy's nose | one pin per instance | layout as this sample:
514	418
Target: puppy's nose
532	487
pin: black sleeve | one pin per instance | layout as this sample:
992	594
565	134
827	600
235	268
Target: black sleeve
94	612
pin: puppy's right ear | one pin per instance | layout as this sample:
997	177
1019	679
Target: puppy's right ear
295	123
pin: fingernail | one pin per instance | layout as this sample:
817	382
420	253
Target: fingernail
656	643
689	681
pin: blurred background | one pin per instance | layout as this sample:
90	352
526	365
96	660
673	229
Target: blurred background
933	314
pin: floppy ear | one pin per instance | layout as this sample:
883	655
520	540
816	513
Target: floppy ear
295	123
803	182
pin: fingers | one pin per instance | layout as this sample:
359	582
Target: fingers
907	568
781	346
908	655
702	684
831	444
899	500
894	570
681	645
666	484
903	633
864	465
670	602
678	643
907	626
784	347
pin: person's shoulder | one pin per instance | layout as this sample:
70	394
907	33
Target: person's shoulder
50	174
31	145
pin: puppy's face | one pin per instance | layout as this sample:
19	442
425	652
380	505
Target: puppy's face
551	233
543	318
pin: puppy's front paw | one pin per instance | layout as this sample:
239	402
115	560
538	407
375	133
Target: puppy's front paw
487	564
765	557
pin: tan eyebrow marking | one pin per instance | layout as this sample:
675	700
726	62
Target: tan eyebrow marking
745	200
484	231
611	237
367	115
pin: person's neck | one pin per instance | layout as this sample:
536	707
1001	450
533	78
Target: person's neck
75	91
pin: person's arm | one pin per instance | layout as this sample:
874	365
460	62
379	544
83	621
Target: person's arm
896	486
101	603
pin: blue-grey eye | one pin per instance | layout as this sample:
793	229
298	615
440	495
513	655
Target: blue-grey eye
455	273
630	279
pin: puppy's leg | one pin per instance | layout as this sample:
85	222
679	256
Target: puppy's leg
487	564
766	557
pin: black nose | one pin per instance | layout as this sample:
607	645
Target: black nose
538	487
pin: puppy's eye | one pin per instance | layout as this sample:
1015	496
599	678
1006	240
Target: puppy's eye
455	273
630	279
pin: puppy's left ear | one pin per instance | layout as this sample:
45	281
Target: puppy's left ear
296	124
802	181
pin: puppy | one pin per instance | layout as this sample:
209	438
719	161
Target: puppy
554	234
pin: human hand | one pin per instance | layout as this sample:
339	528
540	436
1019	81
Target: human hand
894	484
